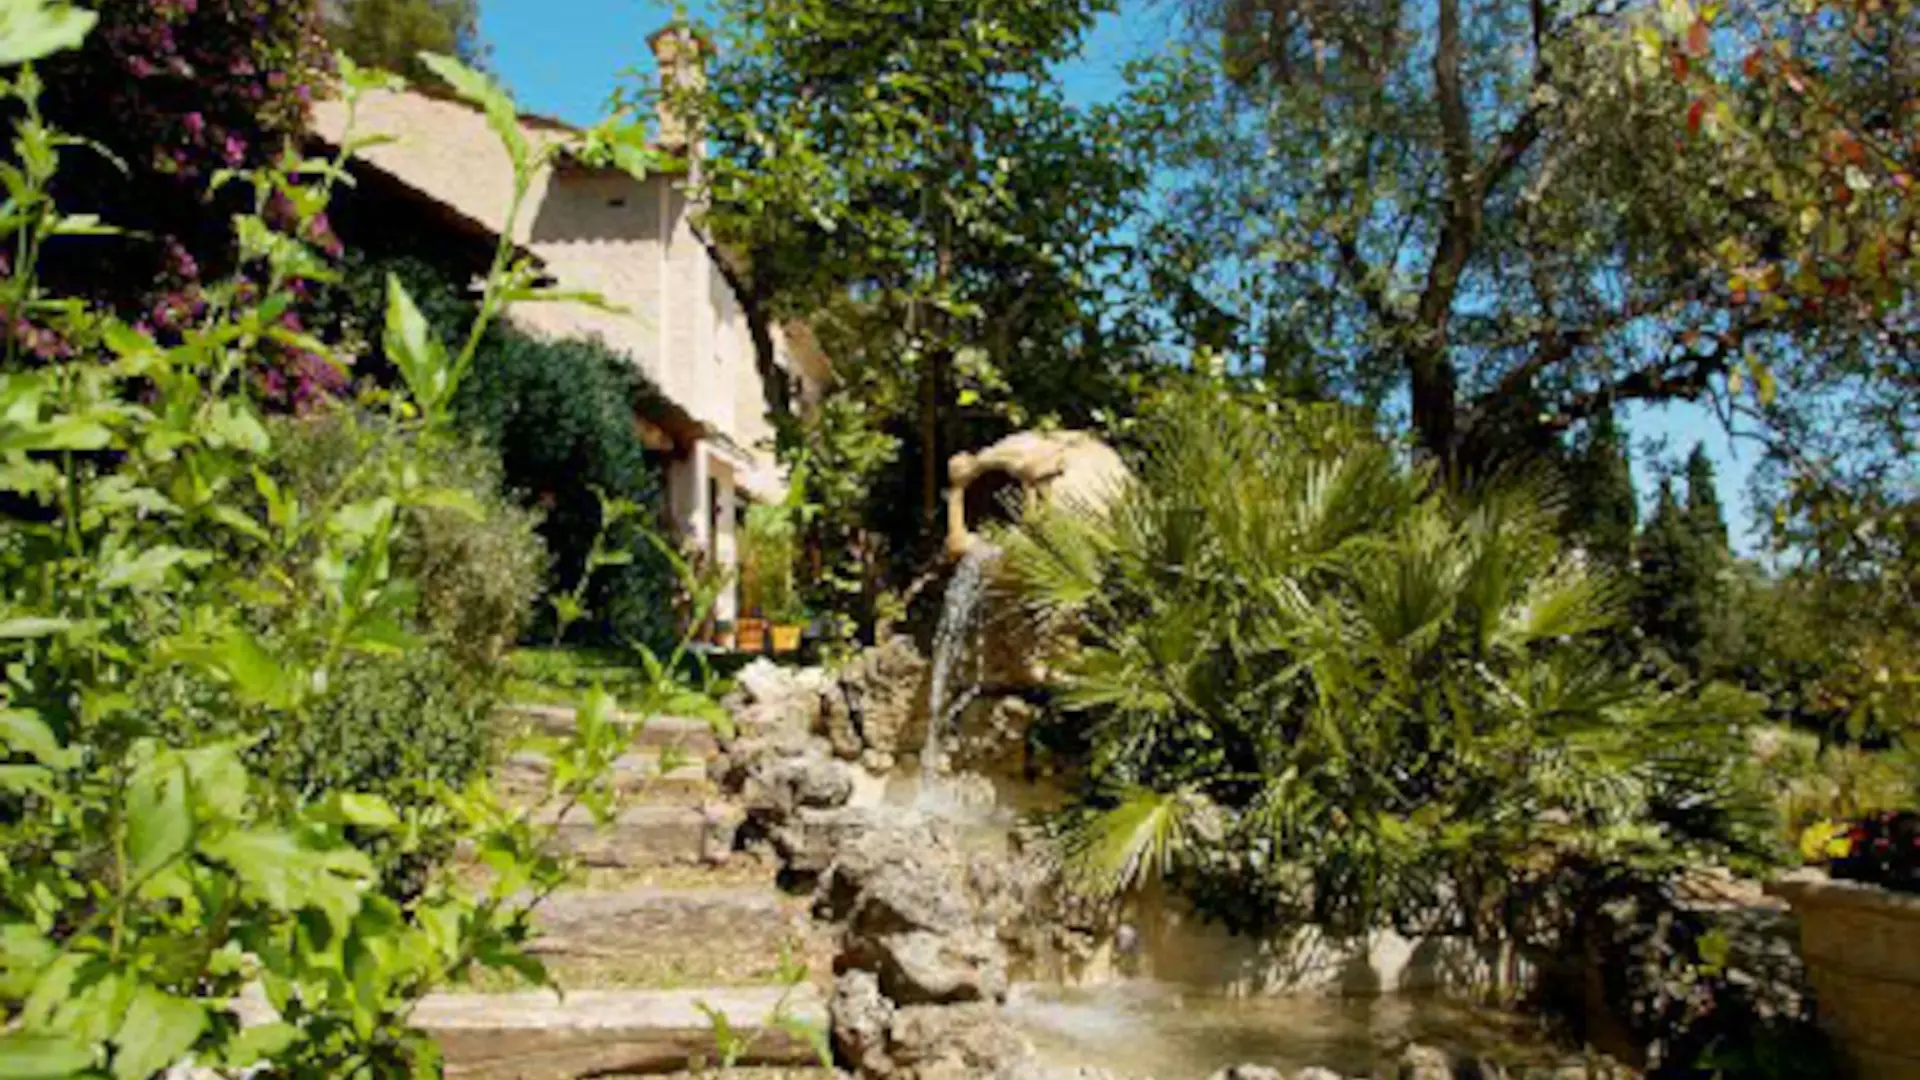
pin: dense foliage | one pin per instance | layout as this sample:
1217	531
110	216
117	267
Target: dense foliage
150	878
1316	686
1882	849
558	416
914	180
561	416
391	34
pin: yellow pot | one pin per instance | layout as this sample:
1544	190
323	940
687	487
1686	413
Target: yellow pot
786	639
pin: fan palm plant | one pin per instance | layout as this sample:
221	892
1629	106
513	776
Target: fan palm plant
1315	684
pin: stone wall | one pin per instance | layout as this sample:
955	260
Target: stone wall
1862	949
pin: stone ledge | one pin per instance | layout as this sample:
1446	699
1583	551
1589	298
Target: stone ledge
1806	889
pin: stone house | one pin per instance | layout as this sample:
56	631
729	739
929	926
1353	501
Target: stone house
636	243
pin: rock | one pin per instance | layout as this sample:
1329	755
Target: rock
884	692
778	788
836	723
720	830
1315	1072
993	735
1248	1072
929	1042
906	875
772	697
1031	1070
808	842
1419	1062
861	1021
920	967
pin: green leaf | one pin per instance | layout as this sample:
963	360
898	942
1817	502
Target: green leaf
288	874
366	811
413	349
243	661
236	519
29	1056
359	521
62	433
26	733
158	1030
31	29
33	626
148	568
159	821
259	1043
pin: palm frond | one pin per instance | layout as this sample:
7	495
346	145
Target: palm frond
1109	853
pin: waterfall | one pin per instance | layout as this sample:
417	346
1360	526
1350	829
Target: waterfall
954	644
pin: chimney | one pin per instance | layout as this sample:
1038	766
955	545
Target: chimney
681	53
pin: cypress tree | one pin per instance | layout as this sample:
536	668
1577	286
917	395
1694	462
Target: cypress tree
1672	580
1704	517
1603	512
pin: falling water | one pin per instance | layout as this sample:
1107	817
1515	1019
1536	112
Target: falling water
955	644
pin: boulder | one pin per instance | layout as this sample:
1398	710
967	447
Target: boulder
1033	1070
929	1041
836	723
922	967
992	736
883	701
1419	1062
771	697
906	875
1315	1072
778	788
1248	1072
861	1022
808	842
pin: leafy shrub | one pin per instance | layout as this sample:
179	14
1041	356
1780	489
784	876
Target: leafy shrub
561	416
479	566
1836	783
1882	849
148	881
1316	686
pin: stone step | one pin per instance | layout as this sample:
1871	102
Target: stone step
536	1035
653	936
648	834
523	777
690	736
543	1035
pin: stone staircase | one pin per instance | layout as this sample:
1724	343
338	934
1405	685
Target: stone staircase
664	929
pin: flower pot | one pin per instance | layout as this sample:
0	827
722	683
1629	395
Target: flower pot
1861	944
786	638
751	635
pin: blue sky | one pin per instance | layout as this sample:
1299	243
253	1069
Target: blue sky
563	58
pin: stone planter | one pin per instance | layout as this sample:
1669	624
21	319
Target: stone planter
1862	948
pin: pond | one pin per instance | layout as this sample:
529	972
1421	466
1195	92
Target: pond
1143	1029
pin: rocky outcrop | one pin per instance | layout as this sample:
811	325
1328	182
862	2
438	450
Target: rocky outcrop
911	918
877	712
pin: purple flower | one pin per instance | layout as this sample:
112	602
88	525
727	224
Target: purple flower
139	67
195	123
235	151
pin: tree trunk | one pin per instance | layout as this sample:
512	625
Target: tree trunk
930	460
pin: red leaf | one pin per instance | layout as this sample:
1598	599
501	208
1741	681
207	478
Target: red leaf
1753	63
1697	38
1680	65
1696	114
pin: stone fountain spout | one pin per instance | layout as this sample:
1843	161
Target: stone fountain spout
1052	466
